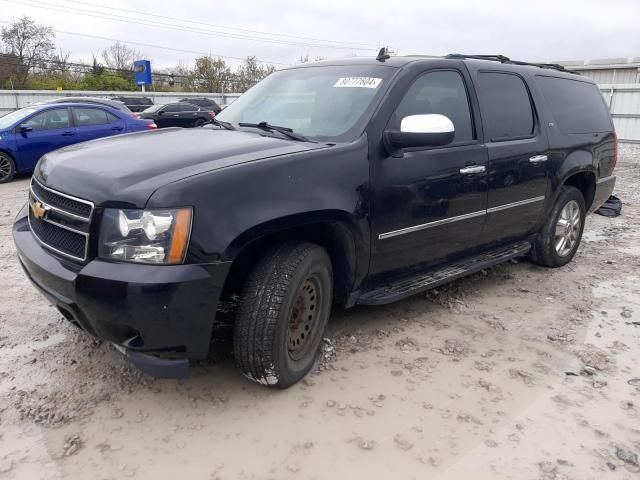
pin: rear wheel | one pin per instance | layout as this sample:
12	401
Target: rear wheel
7	168
559	238
284	310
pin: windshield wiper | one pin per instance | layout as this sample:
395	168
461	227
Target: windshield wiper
286	131
220	123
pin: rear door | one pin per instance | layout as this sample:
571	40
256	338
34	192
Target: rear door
95	122
430	204
518	156
49	130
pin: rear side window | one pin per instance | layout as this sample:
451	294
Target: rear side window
90	116
577	107
506	107
440	92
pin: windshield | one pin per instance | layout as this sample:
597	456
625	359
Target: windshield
331	102
14	117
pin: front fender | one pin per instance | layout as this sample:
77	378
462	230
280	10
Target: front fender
235	203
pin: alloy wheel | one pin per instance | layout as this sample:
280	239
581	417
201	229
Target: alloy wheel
568	228
5	167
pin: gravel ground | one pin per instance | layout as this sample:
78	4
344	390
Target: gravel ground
518	372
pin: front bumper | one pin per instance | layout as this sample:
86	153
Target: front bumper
144	309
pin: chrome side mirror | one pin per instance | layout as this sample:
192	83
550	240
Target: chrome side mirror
427	130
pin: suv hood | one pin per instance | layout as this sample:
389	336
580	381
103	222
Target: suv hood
125	170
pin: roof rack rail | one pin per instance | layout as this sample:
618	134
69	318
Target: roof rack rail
503	59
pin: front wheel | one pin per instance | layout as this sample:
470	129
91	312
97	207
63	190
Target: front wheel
559	238
284	309
199	122
7	168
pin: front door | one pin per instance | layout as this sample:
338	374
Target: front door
517	147
429	205
47	131
170	116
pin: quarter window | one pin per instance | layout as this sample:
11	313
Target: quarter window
440	92
49	120
577	106
506	107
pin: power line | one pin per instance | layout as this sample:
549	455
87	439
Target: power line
151	45
259	32
156	24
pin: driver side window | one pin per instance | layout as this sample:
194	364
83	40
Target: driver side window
441	92
49	120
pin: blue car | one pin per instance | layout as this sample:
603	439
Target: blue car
29	133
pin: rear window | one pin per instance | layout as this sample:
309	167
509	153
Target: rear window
506	107
91	116
577	107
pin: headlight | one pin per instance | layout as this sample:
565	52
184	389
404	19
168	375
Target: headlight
145	236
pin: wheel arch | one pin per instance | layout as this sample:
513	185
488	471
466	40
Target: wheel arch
585	181
577	170
334	230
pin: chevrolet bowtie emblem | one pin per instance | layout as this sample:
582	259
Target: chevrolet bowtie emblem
39	209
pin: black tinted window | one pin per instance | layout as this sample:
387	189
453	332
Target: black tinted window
188	107
49	120
506	107
174	107
439	92
90	116
577	107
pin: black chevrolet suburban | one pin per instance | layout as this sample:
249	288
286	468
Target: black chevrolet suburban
354	182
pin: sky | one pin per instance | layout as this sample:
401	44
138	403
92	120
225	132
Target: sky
281	31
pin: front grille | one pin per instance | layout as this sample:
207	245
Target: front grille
59	221
62	202
62	240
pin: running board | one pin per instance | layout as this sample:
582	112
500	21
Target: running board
405	287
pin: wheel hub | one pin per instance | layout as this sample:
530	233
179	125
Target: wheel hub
568	228
303	317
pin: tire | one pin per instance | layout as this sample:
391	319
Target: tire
199	122
284	309
566	220
7	168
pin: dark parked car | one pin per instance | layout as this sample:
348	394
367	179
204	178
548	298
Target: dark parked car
178	114
354	182
94	100
204	103
135	104
29	133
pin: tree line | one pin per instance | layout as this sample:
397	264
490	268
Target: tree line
30	59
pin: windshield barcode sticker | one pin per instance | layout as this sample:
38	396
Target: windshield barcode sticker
358	82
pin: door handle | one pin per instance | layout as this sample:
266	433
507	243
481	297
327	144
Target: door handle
116	129
538	159
473	169
67	134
